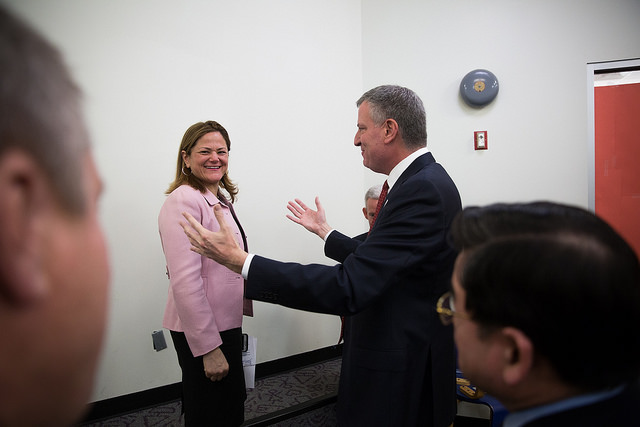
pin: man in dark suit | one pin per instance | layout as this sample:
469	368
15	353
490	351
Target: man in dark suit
547	305
398	361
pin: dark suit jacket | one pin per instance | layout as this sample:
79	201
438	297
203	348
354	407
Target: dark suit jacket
620	410
398	364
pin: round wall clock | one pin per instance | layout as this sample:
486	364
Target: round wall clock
479	87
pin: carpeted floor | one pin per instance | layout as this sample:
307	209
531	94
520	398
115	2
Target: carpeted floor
273	401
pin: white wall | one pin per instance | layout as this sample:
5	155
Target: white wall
539	50
283	77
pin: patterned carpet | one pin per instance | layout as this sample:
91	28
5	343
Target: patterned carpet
302	397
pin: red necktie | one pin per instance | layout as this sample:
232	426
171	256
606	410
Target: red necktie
383	195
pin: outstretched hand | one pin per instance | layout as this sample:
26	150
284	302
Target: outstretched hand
314	221
221	246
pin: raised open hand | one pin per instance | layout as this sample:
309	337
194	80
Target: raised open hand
314	221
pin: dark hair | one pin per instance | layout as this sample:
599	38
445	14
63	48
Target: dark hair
561	275
40	111
402	105
189	140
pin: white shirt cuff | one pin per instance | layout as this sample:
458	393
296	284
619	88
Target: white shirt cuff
326	236
246	265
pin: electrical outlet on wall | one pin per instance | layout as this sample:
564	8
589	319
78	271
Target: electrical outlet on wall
159	343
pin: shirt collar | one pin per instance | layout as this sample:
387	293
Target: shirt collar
212	199
517	419
403	165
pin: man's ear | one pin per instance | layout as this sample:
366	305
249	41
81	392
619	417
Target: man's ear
518	355
364	211
390	127
23	204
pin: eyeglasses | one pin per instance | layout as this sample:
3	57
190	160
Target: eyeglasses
447	310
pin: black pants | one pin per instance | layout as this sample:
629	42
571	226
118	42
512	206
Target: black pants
212	403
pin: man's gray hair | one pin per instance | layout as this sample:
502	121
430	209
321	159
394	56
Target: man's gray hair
402	105
373	193
40	111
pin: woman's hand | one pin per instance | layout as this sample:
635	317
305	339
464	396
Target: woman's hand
215	365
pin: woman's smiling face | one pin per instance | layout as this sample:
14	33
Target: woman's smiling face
208	159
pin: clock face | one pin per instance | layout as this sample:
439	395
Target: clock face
479	87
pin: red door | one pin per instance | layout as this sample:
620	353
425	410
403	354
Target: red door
617	158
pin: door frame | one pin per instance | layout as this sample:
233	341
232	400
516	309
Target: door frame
594	68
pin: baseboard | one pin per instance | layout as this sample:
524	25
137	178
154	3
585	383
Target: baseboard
135	401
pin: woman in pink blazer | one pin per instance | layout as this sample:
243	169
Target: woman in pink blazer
205	304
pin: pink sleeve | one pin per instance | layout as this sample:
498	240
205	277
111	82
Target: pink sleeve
191	310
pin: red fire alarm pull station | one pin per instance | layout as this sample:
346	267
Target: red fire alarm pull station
480	140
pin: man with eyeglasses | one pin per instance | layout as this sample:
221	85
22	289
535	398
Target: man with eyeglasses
545	306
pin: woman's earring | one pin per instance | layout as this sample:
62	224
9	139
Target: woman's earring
184	173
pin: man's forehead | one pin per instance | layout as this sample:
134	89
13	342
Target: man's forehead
364	114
